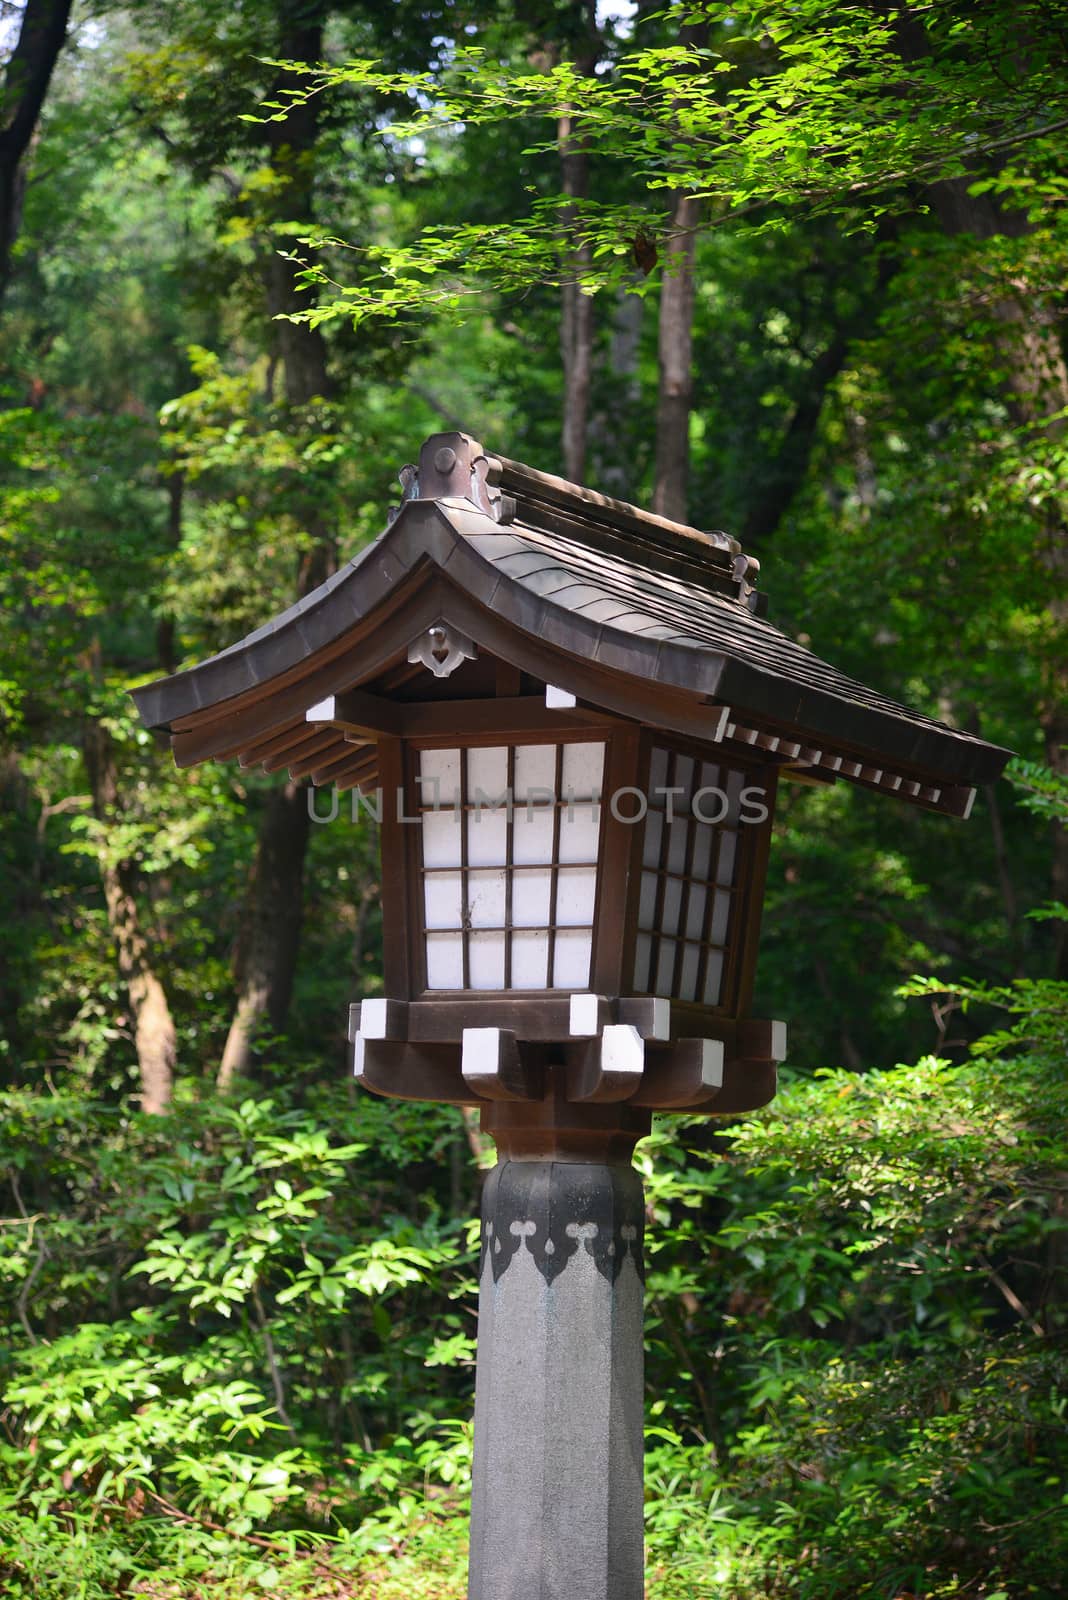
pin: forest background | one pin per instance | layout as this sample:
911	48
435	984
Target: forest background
796	272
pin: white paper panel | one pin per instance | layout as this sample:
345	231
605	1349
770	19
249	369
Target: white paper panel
485	960
690	971
702	850
571	959
444	961
535	769
665	962
683	779
530	961
642	946
721	910
441	839
695	911
580	832
654	826
444	766
532	836
487	837
576	888
531	890
678	835
713	974
672	905
583	771
486	902
710	778
728	849
443	894
487	771
647	900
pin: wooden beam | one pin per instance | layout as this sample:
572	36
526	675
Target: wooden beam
519	714
356	711
651	1016
588	1014
293	733
363	777
302	755
330	765
379	1018
761	1040
540	1018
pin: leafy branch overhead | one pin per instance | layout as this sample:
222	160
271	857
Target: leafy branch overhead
848	112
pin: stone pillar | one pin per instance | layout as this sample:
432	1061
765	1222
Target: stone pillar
557	1493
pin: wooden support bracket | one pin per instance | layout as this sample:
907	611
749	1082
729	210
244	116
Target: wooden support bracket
690	1073
492	1068
609	1068
411	1071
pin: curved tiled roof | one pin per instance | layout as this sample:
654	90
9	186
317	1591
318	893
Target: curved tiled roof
604	588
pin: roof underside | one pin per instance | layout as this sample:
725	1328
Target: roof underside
655	633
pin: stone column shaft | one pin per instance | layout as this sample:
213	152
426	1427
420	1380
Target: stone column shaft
557	1493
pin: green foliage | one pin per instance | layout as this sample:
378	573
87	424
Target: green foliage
856	1304
237	1343
816	109
218	1323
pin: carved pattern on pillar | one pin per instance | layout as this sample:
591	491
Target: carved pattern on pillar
553	1210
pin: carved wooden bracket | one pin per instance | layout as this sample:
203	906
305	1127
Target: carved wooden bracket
441	649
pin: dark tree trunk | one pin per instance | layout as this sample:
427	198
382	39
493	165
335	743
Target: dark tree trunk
576	308
154	1034
611	428
291	145
42	35
675	362
270	928
269	936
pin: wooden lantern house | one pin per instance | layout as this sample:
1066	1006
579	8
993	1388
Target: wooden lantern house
571	717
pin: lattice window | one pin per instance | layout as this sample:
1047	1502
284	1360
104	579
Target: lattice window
510	844
687	910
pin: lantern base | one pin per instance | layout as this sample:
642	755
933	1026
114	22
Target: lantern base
557	1491
489	1049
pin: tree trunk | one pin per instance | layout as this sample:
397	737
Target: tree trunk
576	308
291	146
675	361
154	1034
270	927
612	427
269	936
42	35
